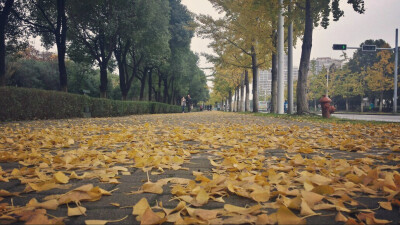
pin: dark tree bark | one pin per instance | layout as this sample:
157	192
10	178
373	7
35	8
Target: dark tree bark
274	84
150	84
143	83
171	97
61	40
165	95
302	103
103	80
57	28
254	67
159	87
246	82
125	80
3	23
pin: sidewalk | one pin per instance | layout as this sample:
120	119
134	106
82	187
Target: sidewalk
193	168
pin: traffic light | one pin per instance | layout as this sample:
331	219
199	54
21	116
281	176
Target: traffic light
339	47
369	48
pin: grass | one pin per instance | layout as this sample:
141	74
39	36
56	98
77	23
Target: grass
314	118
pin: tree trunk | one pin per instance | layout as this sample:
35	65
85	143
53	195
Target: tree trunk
172	91
274	84
61	39
165	95
121	62
241	108
230	101
159	87
246	82
237	99
234	101
381	101
150	84
255	78
103	80
143	84
362	105
315	105
302	104
3	23
347	105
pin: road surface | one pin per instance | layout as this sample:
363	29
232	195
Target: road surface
385	118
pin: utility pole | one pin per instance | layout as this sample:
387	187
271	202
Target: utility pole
290	64
280	60
327	81
396	59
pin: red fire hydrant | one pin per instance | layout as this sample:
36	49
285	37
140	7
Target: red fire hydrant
327	109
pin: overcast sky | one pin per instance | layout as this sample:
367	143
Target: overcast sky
379	21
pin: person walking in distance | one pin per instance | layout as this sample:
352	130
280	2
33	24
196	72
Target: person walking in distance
183	104
189	103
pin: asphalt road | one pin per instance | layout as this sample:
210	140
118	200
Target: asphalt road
384	118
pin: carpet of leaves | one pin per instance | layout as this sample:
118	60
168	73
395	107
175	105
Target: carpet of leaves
322	168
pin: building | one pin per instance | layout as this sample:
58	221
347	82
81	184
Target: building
265	80
325	62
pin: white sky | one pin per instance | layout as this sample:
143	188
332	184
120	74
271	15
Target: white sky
379	21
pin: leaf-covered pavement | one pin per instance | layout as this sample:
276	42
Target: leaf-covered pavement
198	168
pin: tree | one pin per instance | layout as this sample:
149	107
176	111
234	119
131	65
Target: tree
317	86
379	76
5	10
141	49
359	64
244	27
94	29
176	73
48	19
314	11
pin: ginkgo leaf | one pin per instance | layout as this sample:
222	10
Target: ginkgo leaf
241	210
103	222
50	204
386	205
115	204
202	197
263	219
285	216
140	207
61	178
150	187
260	195
77	211
174	218
340	217
306	210
311	197
207	214
150	218
241	219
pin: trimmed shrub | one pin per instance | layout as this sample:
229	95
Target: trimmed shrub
30	104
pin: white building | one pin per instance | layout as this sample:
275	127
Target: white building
325	62
265	79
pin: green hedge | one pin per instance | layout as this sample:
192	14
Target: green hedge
30	104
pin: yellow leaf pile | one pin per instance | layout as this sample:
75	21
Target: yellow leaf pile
288	170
